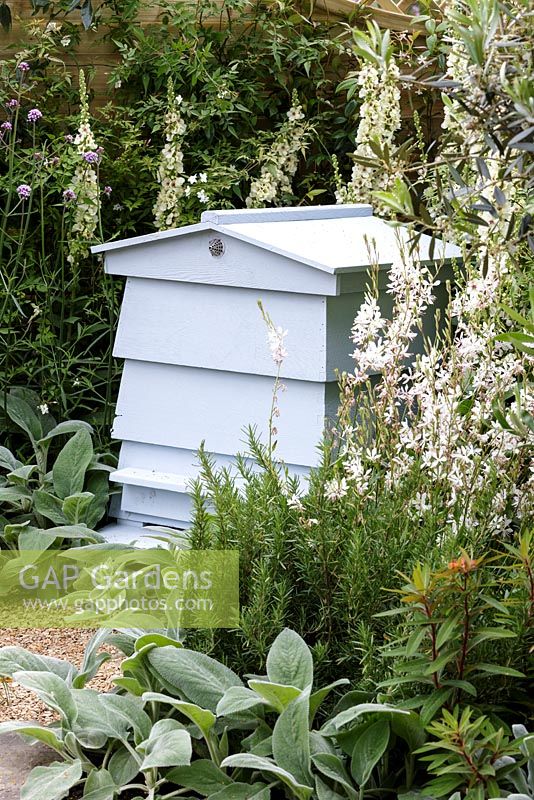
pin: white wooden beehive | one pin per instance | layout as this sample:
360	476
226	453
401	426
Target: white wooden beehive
197	365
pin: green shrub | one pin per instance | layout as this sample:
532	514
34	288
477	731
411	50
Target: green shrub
183	722
43	503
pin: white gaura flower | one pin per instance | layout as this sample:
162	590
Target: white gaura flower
43	408
335	489
276	337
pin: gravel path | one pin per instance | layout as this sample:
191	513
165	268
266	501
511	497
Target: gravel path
69	644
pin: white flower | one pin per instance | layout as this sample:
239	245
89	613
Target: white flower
275	337
380	119
43	408
84	185
170	170
203	177
203	196
65	41
281	161
335	489
192	179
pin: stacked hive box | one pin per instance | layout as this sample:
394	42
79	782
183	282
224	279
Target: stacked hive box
197	365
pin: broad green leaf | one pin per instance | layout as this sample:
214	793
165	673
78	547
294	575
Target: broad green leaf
122	766
197	676
52	690
53	782
332	766
49	506
75	506
243	791
202	776
265	765
156	639
368	750
71	464
8	460
168	745
277	695
14	496
21	475
290	661
99	785
203	719
321	694
23	415
324	792
410	728
35	539
354	713
72	426
236	699
76	532
16	659
291	744
35	731
132	686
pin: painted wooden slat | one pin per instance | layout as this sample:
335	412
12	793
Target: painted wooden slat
181	461
219	327
151	479
287	214
188	259
183	406
156	502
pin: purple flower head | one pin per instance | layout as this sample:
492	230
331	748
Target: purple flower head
38	156
68	195
69	138
24	191
53	162
23	66
34	115
91	157
12	103
107	190
6	126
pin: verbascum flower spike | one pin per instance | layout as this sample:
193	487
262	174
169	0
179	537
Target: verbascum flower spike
84	186
170	175
281	160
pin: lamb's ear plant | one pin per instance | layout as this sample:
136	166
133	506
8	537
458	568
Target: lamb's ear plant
47	500
179	721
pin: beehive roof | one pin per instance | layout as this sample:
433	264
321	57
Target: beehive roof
333	239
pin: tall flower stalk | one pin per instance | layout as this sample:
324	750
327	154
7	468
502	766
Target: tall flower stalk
170	170
281	160
377	85
83	189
